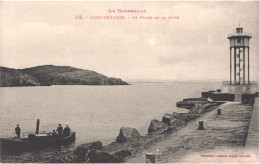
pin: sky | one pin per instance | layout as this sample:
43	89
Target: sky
192	48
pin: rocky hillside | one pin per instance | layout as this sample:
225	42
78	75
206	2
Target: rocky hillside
12	77
54	75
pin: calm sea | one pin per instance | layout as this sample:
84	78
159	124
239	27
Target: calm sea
94	112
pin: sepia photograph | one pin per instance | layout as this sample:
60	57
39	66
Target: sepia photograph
129	81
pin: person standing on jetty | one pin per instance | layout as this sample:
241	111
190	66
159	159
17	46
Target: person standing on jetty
60	129
18	131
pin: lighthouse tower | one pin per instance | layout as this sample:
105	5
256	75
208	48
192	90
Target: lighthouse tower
239	82
239	57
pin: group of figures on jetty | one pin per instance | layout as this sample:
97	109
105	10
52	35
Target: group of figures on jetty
60	130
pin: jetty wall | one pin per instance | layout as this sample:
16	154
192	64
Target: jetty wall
252	141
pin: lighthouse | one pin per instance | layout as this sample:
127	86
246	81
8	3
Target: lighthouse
239	67
239	56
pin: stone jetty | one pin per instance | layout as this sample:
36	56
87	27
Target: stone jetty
223	139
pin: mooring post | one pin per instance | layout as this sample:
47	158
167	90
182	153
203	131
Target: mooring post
201	127
150	158
37	126
219	111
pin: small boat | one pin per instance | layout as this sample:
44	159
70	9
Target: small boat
35	141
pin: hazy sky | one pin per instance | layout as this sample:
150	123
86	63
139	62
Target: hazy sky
195	47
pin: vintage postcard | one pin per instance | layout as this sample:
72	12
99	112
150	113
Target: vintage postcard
129	82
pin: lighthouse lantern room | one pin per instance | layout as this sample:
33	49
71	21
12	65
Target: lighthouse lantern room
239	57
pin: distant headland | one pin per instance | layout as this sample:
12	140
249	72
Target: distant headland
47	75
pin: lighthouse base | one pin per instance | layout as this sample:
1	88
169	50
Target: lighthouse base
238	90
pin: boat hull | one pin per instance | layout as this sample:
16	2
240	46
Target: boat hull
13	145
